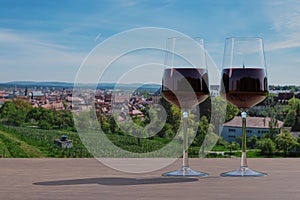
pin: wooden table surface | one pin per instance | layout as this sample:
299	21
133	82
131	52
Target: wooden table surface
89	179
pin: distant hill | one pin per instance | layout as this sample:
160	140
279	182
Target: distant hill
37	84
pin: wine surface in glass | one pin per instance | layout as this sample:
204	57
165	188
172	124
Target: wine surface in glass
185	87
244	87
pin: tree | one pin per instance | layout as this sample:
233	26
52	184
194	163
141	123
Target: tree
63	119
205	107
273	125
34	115
267	146
231	111
175	115
222	142
285	141
218	112
44	124
233	146
104	124
22	104
238	139
114	128
223	109
290	119
294	104
14	112
137	129
169	133
167	106
202	131
154	121
205	137
83	121
47	116
252	142
163	132
19	117
7	110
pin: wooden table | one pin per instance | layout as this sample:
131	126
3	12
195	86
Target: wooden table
89	179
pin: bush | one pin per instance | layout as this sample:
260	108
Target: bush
252	142
267	147
234	146
169	133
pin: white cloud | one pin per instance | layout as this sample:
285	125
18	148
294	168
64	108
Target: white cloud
285	15
285	19
30	57
289	41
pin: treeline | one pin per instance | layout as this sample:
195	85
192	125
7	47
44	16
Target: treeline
289	113
19	112
199	121
282	144
291	88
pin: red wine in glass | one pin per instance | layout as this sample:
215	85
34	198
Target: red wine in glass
244	87
181	85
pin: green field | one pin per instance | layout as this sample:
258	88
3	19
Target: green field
20	142
28	142
25	142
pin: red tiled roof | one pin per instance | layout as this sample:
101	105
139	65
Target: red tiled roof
253	122
136	112
120	99
58	106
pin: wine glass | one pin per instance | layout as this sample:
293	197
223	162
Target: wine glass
244	84
185	85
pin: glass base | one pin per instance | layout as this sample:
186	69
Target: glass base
185	171
244	171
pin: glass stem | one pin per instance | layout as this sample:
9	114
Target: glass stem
185	161
244	142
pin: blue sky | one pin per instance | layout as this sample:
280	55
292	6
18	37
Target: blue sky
48	40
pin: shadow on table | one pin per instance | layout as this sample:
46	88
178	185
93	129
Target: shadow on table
117	181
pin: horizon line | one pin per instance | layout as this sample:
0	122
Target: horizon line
65	82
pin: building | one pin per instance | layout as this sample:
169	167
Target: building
284	97
37	95
254	126
4	95
136	113
54	106
156	99
64	142
214	90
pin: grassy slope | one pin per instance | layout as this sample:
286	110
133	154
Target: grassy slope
31	151
3	150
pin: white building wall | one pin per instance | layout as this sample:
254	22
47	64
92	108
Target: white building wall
230	133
